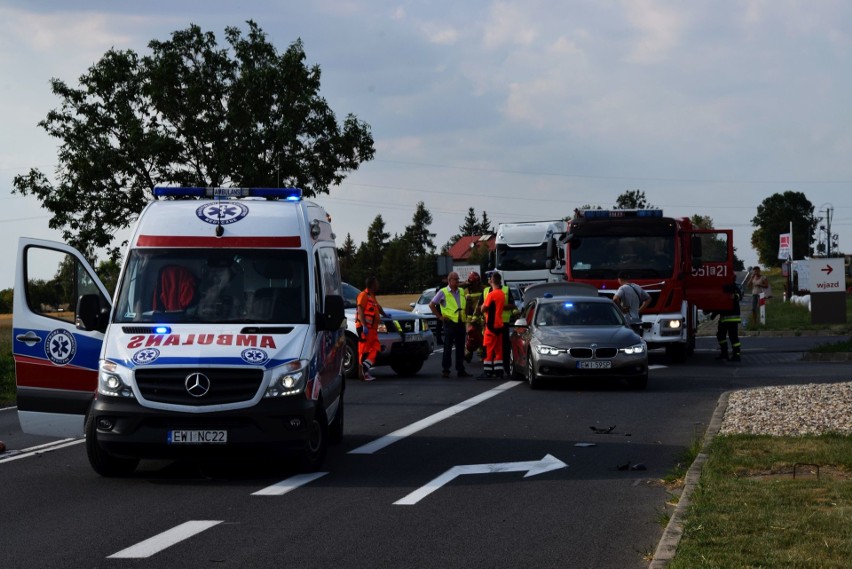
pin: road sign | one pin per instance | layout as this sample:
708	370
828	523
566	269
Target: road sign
827	275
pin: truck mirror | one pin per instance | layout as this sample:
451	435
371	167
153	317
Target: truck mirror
333	316
552	254
89	315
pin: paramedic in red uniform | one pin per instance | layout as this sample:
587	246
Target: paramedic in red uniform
492	311
367	325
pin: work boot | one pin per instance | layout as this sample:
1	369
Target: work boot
485	375
735	358
722	356
463	373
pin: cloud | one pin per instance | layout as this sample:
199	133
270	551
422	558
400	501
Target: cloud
659	30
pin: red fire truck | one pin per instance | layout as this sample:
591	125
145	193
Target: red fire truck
683	268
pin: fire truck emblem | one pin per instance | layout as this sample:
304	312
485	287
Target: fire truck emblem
222	213
254	356
60	347
146	356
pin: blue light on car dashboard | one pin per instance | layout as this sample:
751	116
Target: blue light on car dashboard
162	330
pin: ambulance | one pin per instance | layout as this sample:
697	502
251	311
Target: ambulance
225	335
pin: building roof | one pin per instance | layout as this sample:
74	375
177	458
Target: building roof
466	244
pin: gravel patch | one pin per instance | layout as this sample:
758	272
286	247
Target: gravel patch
810	409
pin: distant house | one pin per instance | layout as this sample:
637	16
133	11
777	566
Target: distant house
467	245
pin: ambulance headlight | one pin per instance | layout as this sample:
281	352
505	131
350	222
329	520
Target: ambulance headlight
288	379
113	380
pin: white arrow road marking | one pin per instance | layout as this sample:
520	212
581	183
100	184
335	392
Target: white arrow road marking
281	488
533	467
400	434
166	539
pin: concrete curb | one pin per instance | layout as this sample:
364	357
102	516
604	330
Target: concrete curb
667	547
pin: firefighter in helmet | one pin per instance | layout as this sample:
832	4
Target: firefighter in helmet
473	290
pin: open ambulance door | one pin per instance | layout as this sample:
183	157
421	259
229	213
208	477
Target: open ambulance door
56	363
712	269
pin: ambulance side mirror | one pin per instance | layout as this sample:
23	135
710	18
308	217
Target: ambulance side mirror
90	315
333	316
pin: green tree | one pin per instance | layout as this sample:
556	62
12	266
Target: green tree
346	255
190	113
485	226
774	216
7	296
632	199
421	265
470	225
397	270
370	252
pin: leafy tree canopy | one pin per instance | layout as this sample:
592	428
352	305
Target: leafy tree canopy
632	199
774	216
190	113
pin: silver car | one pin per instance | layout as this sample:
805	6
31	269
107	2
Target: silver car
565	337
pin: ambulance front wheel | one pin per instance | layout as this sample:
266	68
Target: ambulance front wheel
103	463
316	445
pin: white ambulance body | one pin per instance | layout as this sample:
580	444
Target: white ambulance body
224	338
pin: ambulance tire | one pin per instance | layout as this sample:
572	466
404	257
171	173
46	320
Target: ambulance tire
406	367
105	464
335	429
350	358
316	446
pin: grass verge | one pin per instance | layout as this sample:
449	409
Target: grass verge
771	502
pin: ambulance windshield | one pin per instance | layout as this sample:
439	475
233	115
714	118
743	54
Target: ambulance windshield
214	286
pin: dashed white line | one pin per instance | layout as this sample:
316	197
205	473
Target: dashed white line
36	450
281	488
164	540
400	434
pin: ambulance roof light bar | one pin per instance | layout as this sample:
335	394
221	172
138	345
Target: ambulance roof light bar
619	213
288	194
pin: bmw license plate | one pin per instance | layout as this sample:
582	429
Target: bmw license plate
606	364
184	437
417	337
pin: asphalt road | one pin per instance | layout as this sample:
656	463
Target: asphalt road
446	489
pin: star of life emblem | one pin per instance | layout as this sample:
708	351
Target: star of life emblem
254	356
222	212
146	356
60	347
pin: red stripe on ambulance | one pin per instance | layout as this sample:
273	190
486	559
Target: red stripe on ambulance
225	242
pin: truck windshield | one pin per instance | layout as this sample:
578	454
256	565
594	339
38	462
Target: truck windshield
214	286
521	258
604	256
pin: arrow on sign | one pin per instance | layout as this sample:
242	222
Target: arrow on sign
827	270
532	467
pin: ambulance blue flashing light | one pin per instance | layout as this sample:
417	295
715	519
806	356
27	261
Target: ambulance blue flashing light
621	213
162	330
288	194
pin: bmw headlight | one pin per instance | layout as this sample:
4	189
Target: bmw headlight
288	379
549	350
632	350
113	380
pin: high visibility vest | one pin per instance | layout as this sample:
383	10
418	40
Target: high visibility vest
450	309
371	310
507	309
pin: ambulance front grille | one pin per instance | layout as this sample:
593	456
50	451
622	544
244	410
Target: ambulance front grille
183	387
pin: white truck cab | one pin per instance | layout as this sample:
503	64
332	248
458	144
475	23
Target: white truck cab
225	335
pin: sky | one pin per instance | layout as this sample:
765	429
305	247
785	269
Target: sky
522	109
